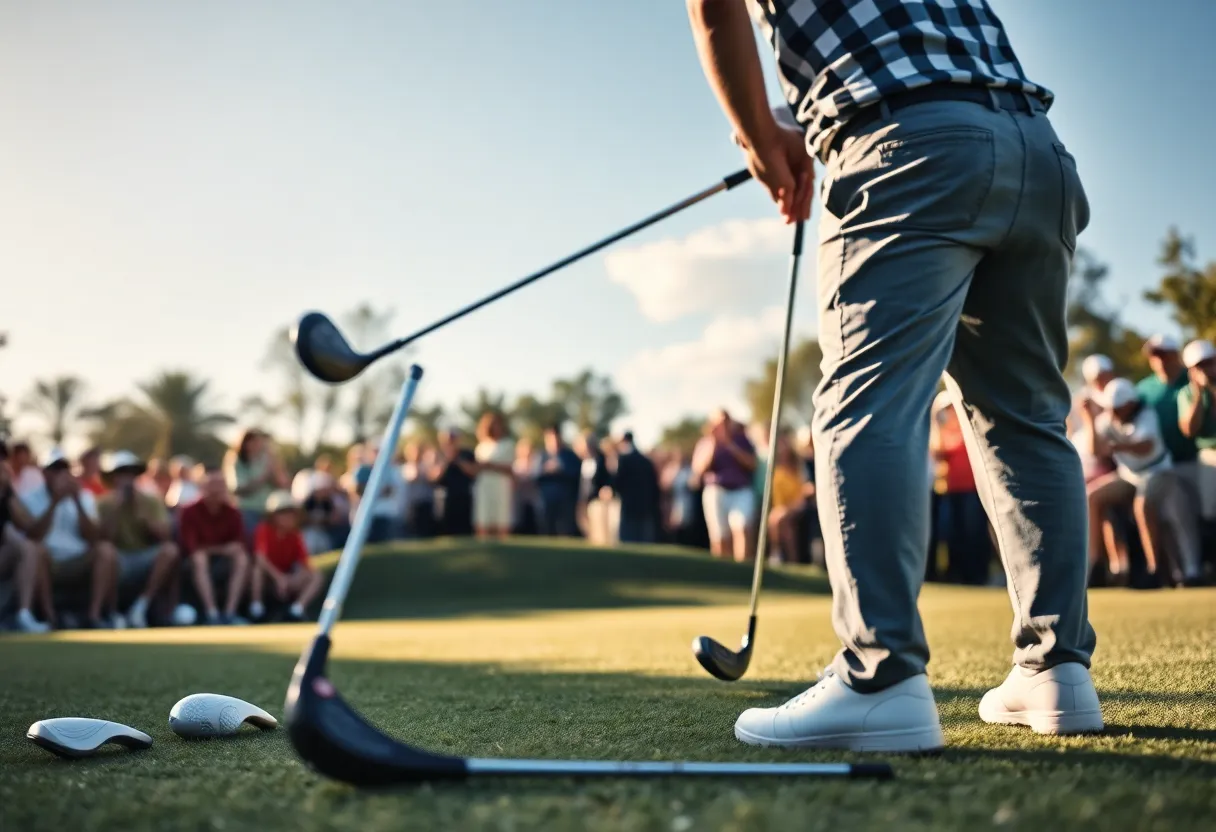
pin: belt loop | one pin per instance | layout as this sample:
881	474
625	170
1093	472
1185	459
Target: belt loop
993	101
1029	104
884	110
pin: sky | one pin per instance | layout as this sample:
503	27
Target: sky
181	179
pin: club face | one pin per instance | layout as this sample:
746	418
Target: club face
324	351
335	741
720	661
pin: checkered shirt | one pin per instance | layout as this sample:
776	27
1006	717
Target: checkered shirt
836	56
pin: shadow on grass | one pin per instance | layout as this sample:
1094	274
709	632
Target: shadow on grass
452	577
489	710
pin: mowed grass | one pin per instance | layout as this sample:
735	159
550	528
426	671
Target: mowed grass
550	650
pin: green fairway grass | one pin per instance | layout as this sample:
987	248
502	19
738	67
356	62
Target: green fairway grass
548	649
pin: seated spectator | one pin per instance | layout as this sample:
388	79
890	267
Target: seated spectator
1129	430
157	478
89	472
1098	371
212	529
558	482
788	503
962	522
723	462
494	483
137	523
1197	417
26	475
65	526
253	471
281	559
19	558
183	487
325	523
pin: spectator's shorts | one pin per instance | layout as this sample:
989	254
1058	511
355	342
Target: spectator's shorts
69	566
134	566
728	511
1205	475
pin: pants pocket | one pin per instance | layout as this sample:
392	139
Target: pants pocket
1074	205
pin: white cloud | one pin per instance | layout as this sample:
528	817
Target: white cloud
666	383
726	268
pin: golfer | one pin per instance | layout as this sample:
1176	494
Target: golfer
951	211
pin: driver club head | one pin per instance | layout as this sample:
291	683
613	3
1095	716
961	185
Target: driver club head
720	661
324	351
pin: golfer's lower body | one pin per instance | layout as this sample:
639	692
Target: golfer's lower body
946	240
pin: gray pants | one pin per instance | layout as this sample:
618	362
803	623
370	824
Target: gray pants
946	241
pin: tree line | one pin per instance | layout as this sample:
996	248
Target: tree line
175	411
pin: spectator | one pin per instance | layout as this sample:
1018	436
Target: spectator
325	523
213	529
90	472
388	507
65	524
281	558
183	486
26	475
788	503
453	477
494	453
636	484
681	510
1129	430
558	482
961	518
724	462
157	478
138	525
1197	417
527	505
420	516
594	477
1097	371
811	535
19	558
253	472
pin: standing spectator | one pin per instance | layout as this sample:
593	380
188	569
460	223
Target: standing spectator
388	507
527	505
90	472
559	484
492	489
281	559
788	503
1197	417
724	462
594	477
636	484
65	524
961	519
183	487
253	472
453	476
137	523
19	558
213	529
419	462
810	534
676	480
26	475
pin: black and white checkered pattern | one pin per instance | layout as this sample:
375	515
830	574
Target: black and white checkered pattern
836	56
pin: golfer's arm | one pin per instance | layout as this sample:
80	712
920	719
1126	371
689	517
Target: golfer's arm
726	46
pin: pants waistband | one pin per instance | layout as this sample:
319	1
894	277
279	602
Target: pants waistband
987	96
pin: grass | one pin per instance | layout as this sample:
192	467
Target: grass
557	651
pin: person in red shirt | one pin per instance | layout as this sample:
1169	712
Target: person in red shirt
281	558
961	520
211	528
90	472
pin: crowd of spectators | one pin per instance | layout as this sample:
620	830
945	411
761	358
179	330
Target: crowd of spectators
111	540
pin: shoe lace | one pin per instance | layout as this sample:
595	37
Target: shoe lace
813	691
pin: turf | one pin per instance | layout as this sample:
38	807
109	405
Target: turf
556	651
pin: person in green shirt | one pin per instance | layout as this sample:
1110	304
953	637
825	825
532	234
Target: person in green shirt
1197	417
1160	392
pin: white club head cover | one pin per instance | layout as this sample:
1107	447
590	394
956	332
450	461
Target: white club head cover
215	715
71	736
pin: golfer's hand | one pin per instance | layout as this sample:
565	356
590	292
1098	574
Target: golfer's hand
780	162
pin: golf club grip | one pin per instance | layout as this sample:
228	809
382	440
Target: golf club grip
725	184
766	498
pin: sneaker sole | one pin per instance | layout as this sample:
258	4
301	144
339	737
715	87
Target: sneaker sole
903	741
1050	722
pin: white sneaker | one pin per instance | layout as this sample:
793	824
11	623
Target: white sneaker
137	615
1059	700
26	623
257	611
117	622
901	718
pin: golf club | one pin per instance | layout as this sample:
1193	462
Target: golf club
325	352
714	656
338	742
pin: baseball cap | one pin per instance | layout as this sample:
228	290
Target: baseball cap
1162	343
123	460
55	456
1117	393
1197	352
1094	366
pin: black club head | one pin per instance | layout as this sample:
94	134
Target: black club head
720	661
324	351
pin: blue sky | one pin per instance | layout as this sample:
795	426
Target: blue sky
181	178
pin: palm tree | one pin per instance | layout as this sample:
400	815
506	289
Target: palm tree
58	402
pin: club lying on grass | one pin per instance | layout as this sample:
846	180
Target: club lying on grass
715	657
325	352
339	743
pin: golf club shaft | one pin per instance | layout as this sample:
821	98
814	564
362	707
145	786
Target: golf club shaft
613	768
766	499
349	559
737	178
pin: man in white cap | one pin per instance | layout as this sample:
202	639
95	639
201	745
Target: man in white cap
137	523
1197	417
